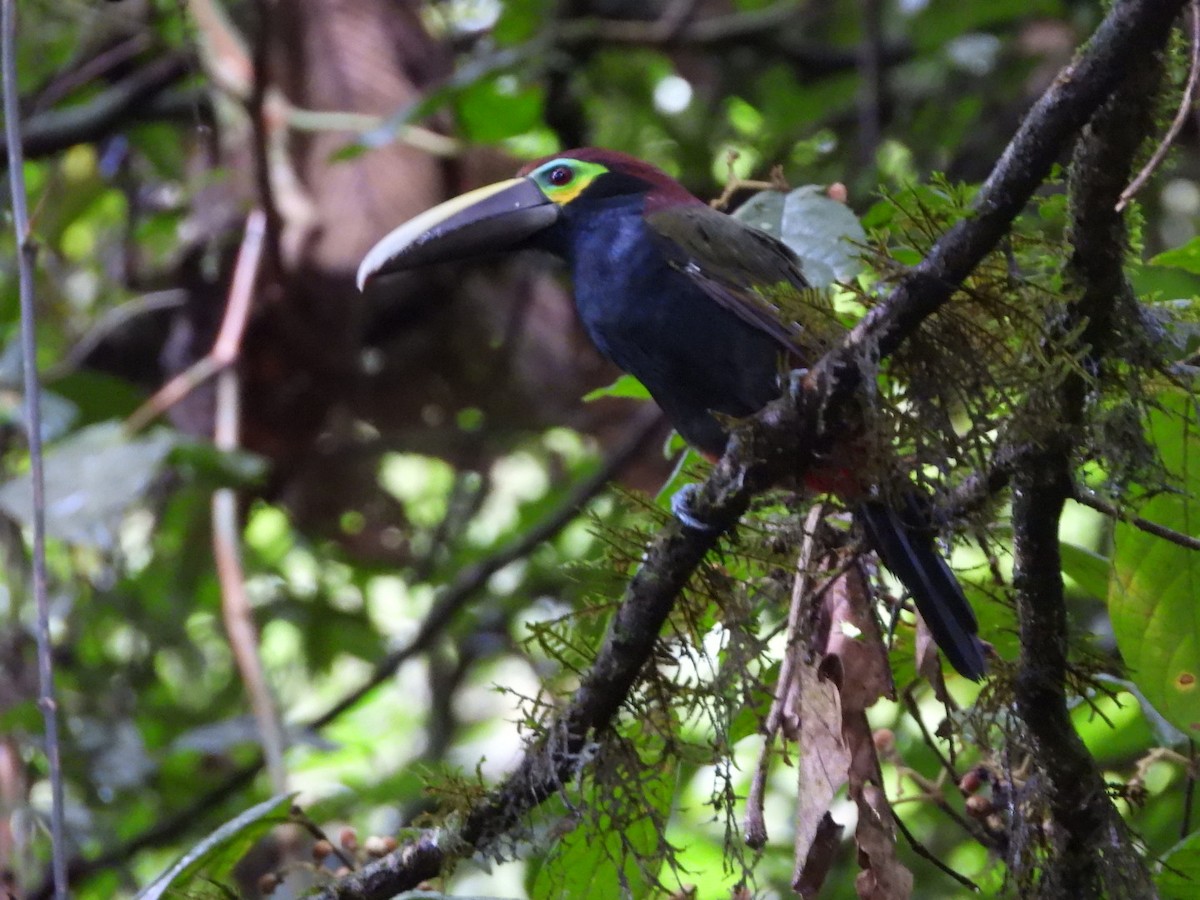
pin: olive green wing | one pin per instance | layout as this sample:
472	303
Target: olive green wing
749	273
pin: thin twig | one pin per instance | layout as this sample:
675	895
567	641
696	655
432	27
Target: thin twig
932	790
266	135
317	120
754	826
300	817
108	60
235	605
1185	108
1088	499
172	392
675	15
224	350
108	323
26	252
910	703
767	22
925	853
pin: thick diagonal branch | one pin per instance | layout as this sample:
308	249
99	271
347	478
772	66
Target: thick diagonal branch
1133	31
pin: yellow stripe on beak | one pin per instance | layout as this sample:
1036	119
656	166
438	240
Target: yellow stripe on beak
487	219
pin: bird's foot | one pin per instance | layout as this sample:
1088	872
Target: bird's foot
681	506
795	382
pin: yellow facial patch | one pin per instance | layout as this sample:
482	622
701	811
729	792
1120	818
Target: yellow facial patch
562	180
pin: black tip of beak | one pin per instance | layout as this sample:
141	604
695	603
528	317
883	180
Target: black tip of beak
486	220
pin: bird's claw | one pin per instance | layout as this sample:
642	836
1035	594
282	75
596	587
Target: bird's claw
795	382
681	506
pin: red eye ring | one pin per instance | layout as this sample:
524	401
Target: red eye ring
559	176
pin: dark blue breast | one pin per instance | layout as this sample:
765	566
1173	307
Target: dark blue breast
692	354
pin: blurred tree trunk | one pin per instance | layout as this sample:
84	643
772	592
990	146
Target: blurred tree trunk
332	381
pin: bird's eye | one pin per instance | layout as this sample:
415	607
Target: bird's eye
559	176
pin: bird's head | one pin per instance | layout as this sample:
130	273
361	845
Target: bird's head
546	193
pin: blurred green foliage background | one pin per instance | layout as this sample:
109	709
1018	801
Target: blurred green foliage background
396	449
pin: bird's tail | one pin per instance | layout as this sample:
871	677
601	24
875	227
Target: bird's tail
904	541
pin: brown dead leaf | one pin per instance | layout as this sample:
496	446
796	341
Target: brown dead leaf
855	640
883	876
821	855
929	663
825	710
824	762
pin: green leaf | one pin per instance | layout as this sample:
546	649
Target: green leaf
519	22
92	478
941	20
1165	734
203	870
1086	568
625	386
823	232
763	211
496	108
1180	870
1154	584
58	414
351	151
98	396
21	716
222	468
1186	257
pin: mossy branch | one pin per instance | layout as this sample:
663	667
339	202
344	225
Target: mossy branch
1092	853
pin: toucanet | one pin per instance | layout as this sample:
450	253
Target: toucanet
680	295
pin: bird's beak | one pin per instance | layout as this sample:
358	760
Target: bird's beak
486	220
